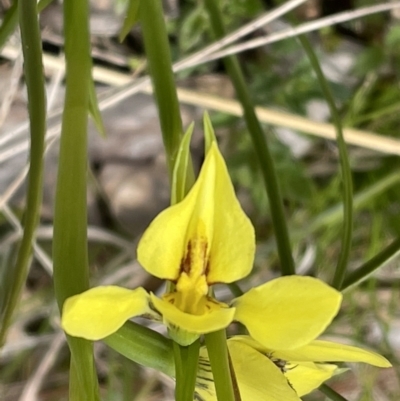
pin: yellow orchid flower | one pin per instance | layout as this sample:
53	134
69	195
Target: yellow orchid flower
207	239
204	240
285	374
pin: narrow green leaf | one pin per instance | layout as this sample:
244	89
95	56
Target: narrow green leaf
333	214
330	393
71	273
144	346
10	22
347	232
260	144
179	180
379	260
94	109
131	17
33	69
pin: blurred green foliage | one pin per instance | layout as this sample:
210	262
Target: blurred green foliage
279	76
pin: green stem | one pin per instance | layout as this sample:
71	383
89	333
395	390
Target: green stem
186	363
260	145
347	232
160	66
330	393
219	359
70	254
373	264
33	69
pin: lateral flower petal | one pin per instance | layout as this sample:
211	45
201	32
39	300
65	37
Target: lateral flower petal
303	377
327	351
307	376
258	378
305	367
295	310
218	318
101	311
211	211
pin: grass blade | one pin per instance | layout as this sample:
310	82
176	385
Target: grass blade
9	24
383	257
347	232
33	69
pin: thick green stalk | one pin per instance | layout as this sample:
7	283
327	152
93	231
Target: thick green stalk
186	363
330	393
71	273
347	232
373	264
220	366
160	66
33	69
260	145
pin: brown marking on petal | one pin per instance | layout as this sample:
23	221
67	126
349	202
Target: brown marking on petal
207	261
186	261
207	269
196	248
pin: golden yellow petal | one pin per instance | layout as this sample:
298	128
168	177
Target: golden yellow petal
216	319
320	351
303	375
163	245
210	211
307	376
327	351
101	311
258	378
233	247
288	312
